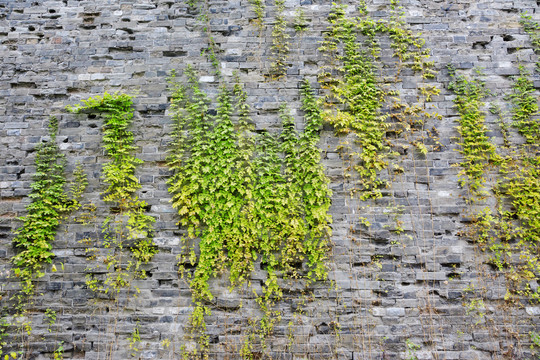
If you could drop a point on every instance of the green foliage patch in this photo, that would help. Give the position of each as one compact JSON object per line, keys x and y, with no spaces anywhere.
{"x":525,"y":108}
{"x":244,"y":198}
{"x":532,"y":28}
{"x":476,"y":147}
{"x":127,"y":224}
{"x":357,"y":88}
{"x":280,"y":43}
{"x":511,"y":232}
{"x":50,"y":203}
{"x":356,"y":96}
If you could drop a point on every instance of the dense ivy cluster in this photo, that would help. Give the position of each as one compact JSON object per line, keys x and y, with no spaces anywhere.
{"x":519,"y":225}
{"x":242,"y":199}
{"x":127,"y":224}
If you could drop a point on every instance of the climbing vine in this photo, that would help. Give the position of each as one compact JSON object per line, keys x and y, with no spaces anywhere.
{"x":477,"y":150}
{"x":50,"y":203}
{"x":259,"y":8}
{"x":525,"y":107}
{"x":532,"y":28}
{"x":356,"y":96}
{"x":280,"y":43}
{"x":408,"y":46}
{"x":212,"y":50}
{"x":510,"y":232}
{"x":243,"y":200}
{"x":357,"y":88}
{"x":127,"y":225}
{"x":518,"y":225}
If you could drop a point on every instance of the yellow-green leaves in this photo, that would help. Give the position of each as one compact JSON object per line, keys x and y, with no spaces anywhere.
{"x":476,"y":146}
{"x":44,"y":213}
{"x":525,"y":108}
{"x":245,"y":197}
{"x":280,"y":43}
{"x":128,"y":223}
{"x":355,"y":96}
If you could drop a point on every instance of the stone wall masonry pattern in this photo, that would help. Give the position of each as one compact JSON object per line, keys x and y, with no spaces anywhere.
{"x":389,"y":289}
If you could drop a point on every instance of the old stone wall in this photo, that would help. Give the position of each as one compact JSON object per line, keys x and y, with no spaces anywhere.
{"x":424,"y":292}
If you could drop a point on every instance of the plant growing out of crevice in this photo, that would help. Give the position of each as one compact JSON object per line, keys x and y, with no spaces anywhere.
{"x":241,"y":201}
{"x":127,"y":224}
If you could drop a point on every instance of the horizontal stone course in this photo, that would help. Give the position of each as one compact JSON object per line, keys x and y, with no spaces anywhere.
{"x":386,"y":285}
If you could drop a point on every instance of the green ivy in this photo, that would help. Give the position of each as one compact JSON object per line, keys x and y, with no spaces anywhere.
{"x":356,"y":96}
{"x":408,"y":47}
{"x":259,"y":7}
{"x":245,"y":197}
{"x":280,"y":43}
{"x":510,"y":233}
{"x":49,"y":205}
{"x":128,"y":224}
{"x":476,"y":147}
{"x":314,"y":184}
{"x":356,"y":88}
{"x":525,"y":107}
{"x":300,"y":22}
{"x":532,"y":28}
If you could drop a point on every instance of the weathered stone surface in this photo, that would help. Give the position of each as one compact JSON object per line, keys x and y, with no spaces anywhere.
{"x":392,"y":287}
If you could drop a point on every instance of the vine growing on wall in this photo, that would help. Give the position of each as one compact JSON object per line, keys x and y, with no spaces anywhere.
{"x":356,"y":95}
{"x":50,"y":203}
{"x":53,"y":198}
{"x":259,"y":7}
{"x":525,"y":108}
{"x":212,"y":50}
{"x":280,"y":43}
{"x":358,"y":90}
{"x":476,"y":147}
{"x":518,"y":226}
{"x":242,"y":200}
{"x":408,"y":46}
{"x":532,"y":28}
{"x":510,"y":233}
{"x":127,"y":225}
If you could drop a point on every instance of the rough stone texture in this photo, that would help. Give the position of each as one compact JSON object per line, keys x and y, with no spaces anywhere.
{"x":389,"y":288}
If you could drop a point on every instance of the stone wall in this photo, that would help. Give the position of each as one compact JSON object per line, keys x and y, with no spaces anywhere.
{"x":389,"y":292}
